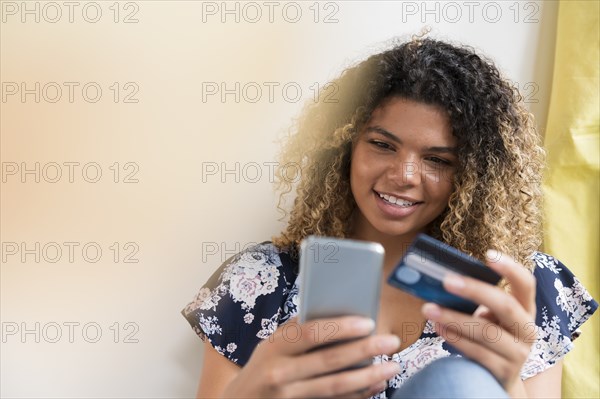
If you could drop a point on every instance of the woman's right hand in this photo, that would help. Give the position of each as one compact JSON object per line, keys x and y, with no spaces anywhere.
{"x":281,"y":367}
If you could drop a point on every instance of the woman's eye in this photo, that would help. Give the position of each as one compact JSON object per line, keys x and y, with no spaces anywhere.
{"x":439,"y":161}
{"x":381,"y":144}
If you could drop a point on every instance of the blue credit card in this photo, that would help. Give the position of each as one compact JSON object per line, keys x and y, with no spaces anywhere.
{"x":425,"y":264}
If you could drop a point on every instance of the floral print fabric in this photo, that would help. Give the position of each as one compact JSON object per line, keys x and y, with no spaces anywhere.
{"x":255,"y":291}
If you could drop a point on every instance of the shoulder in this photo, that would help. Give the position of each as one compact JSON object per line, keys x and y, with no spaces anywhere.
{"x":558,"y":288}
{"x":560,"y":294}
{"x":563,"y":305}
{"x":257,"y":271}
{"x":548,"y":263}
{"x":245,"y":300}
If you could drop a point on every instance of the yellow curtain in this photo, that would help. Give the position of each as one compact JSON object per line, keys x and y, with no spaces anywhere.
{"x":572,"y":182}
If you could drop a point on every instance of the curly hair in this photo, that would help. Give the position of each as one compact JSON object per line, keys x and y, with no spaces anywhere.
{"x":496,"y":201}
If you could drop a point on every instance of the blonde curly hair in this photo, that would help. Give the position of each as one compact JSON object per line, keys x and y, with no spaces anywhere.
{"x":496,"y":202}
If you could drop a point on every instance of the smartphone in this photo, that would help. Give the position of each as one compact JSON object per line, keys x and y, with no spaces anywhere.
{"x":339,"y":277}
{"x":427,"y":261}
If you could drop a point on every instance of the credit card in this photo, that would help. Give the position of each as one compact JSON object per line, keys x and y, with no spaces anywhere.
{"x":427,"y":261}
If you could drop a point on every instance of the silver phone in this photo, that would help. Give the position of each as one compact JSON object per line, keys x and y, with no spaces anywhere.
{"x":339,"y":277}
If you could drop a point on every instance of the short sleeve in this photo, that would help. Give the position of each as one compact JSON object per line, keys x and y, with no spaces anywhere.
{"x":244,"y":301}
{"x":563,"y":305}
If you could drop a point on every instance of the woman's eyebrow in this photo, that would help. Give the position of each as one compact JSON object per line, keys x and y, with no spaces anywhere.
{"x":393,"y":137}
{"x":383,"y":132}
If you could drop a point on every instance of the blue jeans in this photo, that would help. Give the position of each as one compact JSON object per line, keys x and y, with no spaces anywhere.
{"x":451,"y":377}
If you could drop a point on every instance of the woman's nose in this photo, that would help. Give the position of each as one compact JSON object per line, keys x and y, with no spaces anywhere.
{"x":405,"y":172}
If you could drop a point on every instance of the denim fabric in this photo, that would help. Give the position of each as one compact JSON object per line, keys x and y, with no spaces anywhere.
{"x":451,"y":377}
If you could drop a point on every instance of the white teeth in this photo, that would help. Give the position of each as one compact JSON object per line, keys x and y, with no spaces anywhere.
{"x":396,"y":201}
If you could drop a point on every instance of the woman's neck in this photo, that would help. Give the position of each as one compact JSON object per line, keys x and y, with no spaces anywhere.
{"x":395,"y":246}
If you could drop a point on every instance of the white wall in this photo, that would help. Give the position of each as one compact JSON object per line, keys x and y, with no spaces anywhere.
{"x":171,"y":217}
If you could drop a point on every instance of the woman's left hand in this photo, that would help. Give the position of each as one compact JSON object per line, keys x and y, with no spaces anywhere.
{"x":500,"y":333}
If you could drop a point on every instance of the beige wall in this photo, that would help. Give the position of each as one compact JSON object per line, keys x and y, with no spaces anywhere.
{"x":156,"y":147}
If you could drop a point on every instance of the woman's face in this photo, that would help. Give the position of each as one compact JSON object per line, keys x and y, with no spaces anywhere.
{"x":402,"y":169}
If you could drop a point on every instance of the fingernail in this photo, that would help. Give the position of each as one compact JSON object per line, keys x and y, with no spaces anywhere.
{"x":389,"y":343}
{"x":364,"y":325}
{"x":431,"y":311}
{"x":454,"y":281}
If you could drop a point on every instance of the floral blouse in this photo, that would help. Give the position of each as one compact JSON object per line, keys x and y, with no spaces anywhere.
{"x":255,"y":291}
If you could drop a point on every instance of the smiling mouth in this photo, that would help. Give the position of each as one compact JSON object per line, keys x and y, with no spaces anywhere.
{"x":399,"y":202}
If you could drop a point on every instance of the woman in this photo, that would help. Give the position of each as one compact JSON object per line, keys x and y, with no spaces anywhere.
{"x":424,"y":137}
